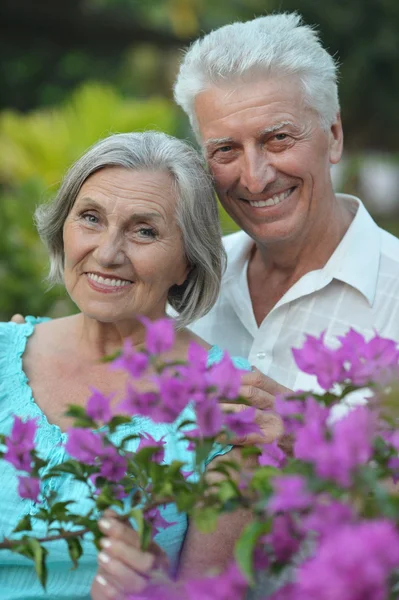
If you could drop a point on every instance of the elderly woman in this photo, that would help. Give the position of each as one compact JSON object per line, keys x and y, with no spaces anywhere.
{"x":133,"y":228}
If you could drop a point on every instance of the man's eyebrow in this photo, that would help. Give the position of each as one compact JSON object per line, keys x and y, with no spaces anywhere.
{"x":277,"y":126}
{"x":217,"y":141}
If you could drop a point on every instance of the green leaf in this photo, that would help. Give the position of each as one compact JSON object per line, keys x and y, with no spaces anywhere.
{"x":118,"y":420}
{"x":205,"y":519}
{"x":59,"y":510}
{"x":106,"y":499}
{"x":245,"y":545}
{"x":228,"y":490}
{"x":75,"y":550}
{"x":23,"y":524}
{"x":32,"y":549}
{"x":76,"y":412}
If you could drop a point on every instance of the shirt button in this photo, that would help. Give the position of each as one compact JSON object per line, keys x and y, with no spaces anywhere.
{"x":261,"y":355}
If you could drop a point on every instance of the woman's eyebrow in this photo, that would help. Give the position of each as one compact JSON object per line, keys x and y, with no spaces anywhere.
{"x":138,"y":216}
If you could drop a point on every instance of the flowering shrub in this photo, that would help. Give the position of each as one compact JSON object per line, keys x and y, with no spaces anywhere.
{"x":325,"y":519}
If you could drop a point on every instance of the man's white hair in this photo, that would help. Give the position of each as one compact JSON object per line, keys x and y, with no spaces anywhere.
{"x":274,"y":45}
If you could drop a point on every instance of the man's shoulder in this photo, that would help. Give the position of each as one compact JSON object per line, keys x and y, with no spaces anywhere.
{"x":389,"y":246}
{"x":235,"y":243}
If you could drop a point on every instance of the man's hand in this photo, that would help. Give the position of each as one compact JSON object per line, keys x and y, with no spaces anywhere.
{"x":260,"y":392}
{"x":123,"y":568}
{"x":17,"y":319}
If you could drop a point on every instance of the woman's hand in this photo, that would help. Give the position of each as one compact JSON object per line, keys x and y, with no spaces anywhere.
{"x":123,"y":568}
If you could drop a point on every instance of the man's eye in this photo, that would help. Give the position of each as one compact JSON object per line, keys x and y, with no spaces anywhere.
{"x":280,"y":136}
{"x":147,"y":232}
{"x":224,"y":149}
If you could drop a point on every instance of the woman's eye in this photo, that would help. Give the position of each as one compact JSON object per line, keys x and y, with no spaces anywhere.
{"x":90,"y":218}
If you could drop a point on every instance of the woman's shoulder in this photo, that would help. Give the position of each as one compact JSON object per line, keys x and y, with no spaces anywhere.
{"x":13,"y":339}
{"x":215,"y":355}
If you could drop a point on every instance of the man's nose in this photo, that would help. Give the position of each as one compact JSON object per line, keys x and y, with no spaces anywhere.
{"x":257,"y":171}
{"x":110,"y":250}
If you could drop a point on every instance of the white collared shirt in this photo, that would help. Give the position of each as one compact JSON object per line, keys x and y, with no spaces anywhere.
{"x":358,"y":287}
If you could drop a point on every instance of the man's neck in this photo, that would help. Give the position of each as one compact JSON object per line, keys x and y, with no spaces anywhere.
{"x":275,"y":268}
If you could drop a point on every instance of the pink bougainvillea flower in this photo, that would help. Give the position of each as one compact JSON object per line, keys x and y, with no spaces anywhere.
{"x":113,"y":466}
{"x":272,"y":456}
{"x":29,"y":488}
{"x":317,"y":359}
{"x":22,"y":461}
{"x":242,"y":423}
{"x":160,"y":335}
{"x":209,"y":418}
{"x":22,"y":434}
{"x":290,"y":493}
{"x":147,"y":440}
{"x":133,"y":362}
{"x":225,"y":377}
{"x":98,"y":406}
{"x":353,"y":562}
{"x":229,"y":585}
{"x":155,"y":518}
{"x":84,"y":445}
{"x":139,"y":403}
{"x":285,"y":537}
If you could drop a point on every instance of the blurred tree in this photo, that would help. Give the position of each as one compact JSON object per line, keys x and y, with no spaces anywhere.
{"x":36,"y":149}
{"x":48,"y":47}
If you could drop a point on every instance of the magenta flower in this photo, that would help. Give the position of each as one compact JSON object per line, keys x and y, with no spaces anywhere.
{"x":84,"y":445}
{"x":148,"y":441}
{"x":98,"y":406}
{"x":22,"y":461}
{"x":197,"y":356}
{"x":225,"y":377}
{"x":285,"y":537}
{"x":160,"y":335}
{"x":327,"y":515}
{"x":209,"y":418}
{"x":317,"y":359}
{"x":290,"y":493}
{"x":20,"y":444}
{"x":139,"y":403}
{"x":272,"y":456}
{"x":174,"y":398}
{"x":352,"y":563}
{"x":242,"y":423}
{"x":29,"y":488}
{"x":155,"y":518}
{"x":133,"y":362}
{"x":229,"y":585}
{"x":113,"y":466}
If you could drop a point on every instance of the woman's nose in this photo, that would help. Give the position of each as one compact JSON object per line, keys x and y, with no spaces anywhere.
{"x":109,"y":250}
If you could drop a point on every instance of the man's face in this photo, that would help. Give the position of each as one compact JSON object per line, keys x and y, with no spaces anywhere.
{"x":269,"y":156}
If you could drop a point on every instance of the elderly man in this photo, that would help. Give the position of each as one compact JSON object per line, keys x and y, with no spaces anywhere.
{"x":262,"y":99}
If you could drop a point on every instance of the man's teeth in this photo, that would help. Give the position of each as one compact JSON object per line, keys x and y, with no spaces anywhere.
{"x":273,"y":200}
{"x":108,"y":281}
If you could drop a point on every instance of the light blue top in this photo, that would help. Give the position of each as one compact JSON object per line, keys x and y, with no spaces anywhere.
{"x":18,"y":580}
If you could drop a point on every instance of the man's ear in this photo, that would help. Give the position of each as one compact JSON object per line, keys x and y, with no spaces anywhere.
{"x":336,"y":140}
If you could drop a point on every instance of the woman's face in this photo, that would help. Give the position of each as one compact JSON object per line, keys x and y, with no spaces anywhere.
{"x":123,"y":248}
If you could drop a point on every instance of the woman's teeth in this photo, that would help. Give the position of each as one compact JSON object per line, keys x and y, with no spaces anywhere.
{"x":273,"y":200}
{"x":108,"y":281}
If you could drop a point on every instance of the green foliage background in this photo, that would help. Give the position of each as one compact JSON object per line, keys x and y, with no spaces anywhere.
{"x":76,"y":70}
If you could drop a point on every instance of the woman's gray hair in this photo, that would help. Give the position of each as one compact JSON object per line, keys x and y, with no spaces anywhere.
{"x":274,"y":45}
{"x":196,"y":212}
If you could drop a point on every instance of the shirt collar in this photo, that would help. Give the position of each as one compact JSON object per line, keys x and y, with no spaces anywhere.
{"x":355,"y":261}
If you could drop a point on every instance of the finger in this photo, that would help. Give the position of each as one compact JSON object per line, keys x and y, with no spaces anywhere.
{"x":257,"y":397}
{"x":17,"y":319}
{"x":101,"y":589}
{"x":117,"y":530}
{"x":119,"y":576}
{"x":262,"y":381}
{"x":270,"y":426}
{"x":131,"y":557}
